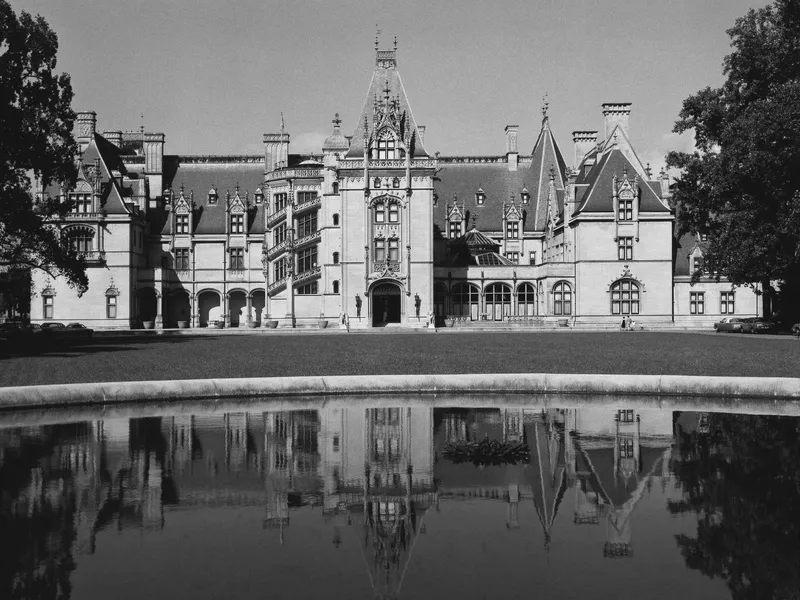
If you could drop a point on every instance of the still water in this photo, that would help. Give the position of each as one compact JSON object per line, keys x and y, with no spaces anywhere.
{"x":396,"y":499}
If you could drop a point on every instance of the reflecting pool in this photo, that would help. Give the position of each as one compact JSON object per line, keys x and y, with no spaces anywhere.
{"x":399,"y":499}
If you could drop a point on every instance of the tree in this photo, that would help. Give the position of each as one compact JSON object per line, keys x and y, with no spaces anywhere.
{"x":741,"y":187}
{"x":36,"y":142}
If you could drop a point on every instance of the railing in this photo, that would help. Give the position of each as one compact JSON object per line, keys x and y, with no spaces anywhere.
{"x":316,"y":202}
{"x":274,"y":288}
{"x":308,"y":239}
{"x":276,"y":216}
{"x":416,"y":163}
{"x":390,"y":266}
{"x":276,"y":250}
{"x":84,"y":216}
{"x":294,"y":174}
{"x":309,"y":275}
{"x":237,"y":274}
{"x":93,"y":256}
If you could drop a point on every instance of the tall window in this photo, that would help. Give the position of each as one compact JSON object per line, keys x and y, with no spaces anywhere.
{"x":562,"y":299}
{"x":625,"y":297}
{"x":237,"y":223}
{"x":697,"y":263}
{"x":111,"y":307}
{"x":279,"y":269}
{"x":526,"y":300}
{"x":626,"y":209}
{"x":281,"y":201}
{"x":181,"y":223}
{"x":380,"y":250}
{"x":182,"y":259}
{"x":465,"y":301}
{"x":309,"y":288}
{"x":335,"y":286}
{"x":48,"y":306}
{"x":625,"y":248}
{"x":307,"y":259}
{"x":82,"y":203}
{"x":307,"y":224}
{"x":280,"y":233}
{"x":455,"y":229}
{"x":336,"y":219}
{"x":336,"y":258}
{"x":697,"y":303}
{"x":394,"y":213}
{"x":532,"y":257}
{"x":81,"y":240}
{"x":498,"y":301}
{"x":394,"y":250}
{"x":237,"y":259}
{"x":380,"y":213}
{"x":625,"y":415}
{"x":726,"y":303}
{"x":303,"y":197}
{"x":512,"y":230}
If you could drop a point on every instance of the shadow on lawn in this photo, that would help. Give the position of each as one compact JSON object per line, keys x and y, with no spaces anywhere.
{"x":94,"y":346}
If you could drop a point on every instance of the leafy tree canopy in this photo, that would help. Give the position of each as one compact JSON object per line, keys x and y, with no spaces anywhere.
{"x":36,"y":122}
{"x":741,"y":186}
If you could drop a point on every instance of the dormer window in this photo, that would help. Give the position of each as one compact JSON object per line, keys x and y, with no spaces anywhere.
{"x":182,"y":223}
{"x":212,"y":196}
{"x":480,"y":197}
{"x":81,"y":203}
{"x":259,"y":195}
{"x":455,"y":229}
{"x":525,"y":195}
{"x":703,"y":237}
{"x":626,"y":207}
{"x":237,"y":223}
{"x":512,"y":230}
{"x":387,"y":146}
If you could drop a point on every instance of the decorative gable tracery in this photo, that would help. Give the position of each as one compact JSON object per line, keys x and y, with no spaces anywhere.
{"x":455,"y":219}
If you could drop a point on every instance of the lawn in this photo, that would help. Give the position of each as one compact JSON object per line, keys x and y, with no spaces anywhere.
{"x":199,"y":357}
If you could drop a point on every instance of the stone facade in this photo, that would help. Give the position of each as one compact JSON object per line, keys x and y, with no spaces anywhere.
{"x":375,"y":230}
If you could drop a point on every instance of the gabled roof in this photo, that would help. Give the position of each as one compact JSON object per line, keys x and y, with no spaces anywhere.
{"x":199,"y":177}
{"x":385,"y":77}
{"x":107,"y":157}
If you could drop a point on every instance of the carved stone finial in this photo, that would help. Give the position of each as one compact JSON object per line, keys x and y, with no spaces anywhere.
{"x":545,"y":106}
{"x":395,"y":43}
{"x":387,"y":91}
{"x":181,"y":189}
{"x":552,"y":173}
{"x":625,"y":171}
{"x":336,"y":120}
{"x":648,"y":170}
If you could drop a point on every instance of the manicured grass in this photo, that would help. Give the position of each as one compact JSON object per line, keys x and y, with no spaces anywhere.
{"x":190,"y":357}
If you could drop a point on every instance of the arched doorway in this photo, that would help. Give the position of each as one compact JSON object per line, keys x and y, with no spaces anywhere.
{"x":178,"y":308}
{"x":498,"y":301}
{"x":237,"y":307}
{"x":148,"y":304}
{"x":440,"y":300}
{"x":386,"y":305}
{"x":208,"y":305}
{"x":465,"y":301}
{"x":258,"y":302}
{"x":526,"y":300}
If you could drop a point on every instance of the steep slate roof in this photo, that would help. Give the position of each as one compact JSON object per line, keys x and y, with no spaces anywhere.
{"x":546,"y":157}
{"x":385,"y":72}
{"x":108,"y":154}
{"x":597,"y":192}
{"x":197,"y":176}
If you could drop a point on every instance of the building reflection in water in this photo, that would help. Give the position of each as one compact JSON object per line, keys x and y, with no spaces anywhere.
{"x":374,"y":473}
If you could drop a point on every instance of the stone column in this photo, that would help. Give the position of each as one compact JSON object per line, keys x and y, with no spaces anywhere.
{"x":249,"y":309}
{"x":159,"y":322}
{"x":193,"y":311}
{"x":225,"y":310}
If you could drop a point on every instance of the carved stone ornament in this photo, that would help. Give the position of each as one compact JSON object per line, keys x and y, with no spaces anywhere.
{"x":48,"y":291}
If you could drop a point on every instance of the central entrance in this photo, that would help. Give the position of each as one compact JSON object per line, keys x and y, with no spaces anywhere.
{"x":385,"y":304}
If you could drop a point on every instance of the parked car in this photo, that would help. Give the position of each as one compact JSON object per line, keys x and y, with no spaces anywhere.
{"x":758,"y":325}
{"x":79,"y":330}
{"x":61,"y":334}
{"x":729,"y":325}
{"x":51,"y":325}
{"x":16,"y":336}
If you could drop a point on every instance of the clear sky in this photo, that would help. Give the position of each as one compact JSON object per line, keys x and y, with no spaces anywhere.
{"x":213,"y":76}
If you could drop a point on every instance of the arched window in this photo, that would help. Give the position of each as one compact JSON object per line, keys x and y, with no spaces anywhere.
{"x":336,"y":258}
{"x":48,"y":303}
{"x":562,"y":299}
{"x":498,"y":301}
{"x":526,"y":300}
{"x":625,"y":297}
{"x":335,"y":286}
{"x":465,"y":301}
{"x":336,"y":219}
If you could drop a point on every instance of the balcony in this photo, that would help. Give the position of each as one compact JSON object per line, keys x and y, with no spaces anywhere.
{"x":276,"y":287}
{"x":417,"y":163}
{"x":85,"y":216}
{"x":307,"y":206}
{"x":276,"y":217}
{"x":298,"y":173}
{"x":237,"y":274}
{"x":307,"y":240}
{"x":276,"y":250}
{"x":306,"y":276}
{"x":94,"y":257}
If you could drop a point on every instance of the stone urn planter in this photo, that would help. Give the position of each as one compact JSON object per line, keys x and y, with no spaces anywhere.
{"x":563,"y":322}
{"x":219,"y":324}
{"x":272,"y":324}
{"x":448,"y":322}
{"x":252,"y":324}
{"x":183,"y":324}
{"x":322,"y":323}
{"x":148,"y":324}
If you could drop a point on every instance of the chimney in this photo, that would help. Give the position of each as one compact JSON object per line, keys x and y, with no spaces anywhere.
{"x":511,"y":146}
{"x":663,"y":179}
{"x":115,"y":137}
{"x":276,"y":151}
{"x":153,"y":160}
{"x":421,"y":131}
{"x":87,"y":123}
{"x":584,"y":141}
{"x":616,"y":114}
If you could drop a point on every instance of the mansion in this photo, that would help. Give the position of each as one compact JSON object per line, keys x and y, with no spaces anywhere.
{"x":381,"y":230}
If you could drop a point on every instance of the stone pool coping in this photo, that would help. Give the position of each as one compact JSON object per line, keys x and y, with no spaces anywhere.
{"x":77,"y":394}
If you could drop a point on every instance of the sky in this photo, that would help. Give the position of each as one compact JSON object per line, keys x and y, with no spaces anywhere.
{"x":213,"y":76}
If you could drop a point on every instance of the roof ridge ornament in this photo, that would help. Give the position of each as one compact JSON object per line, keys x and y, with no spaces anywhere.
{"x":545,"y":106}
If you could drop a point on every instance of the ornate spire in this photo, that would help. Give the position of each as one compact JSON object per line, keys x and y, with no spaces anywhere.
{"x":545,"y":106}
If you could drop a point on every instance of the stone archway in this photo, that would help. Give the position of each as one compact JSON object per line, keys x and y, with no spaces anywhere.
{"x":208,"y":306}
{"x":237,"y":308}
{"x":258,"y":303}
{"x":178,"y":308}
{"x":386,"y":304}
{"x":148,"y":304}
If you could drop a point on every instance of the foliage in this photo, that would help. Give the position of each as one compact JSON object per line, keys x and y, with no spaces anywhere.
{"x":741,"y":186}
{"x":743,"y":482}
{"x":36,"y":122}
{"x":486,"y":452}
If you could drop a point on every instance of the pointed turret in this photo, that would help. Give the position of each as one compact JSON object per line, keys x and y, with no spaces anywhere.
{"x":547,"y":168}
{"x":386,"y":125}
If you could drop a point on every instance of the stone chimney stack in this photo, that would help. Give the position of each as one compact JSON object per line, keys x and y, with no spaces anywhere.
{"x":115,"y":137}
{"x":511,"y":146}
{"x":153,"y":161}
{"x":584,"y":141}
{"x":87,"y":124}
{"x":616,"y":114}
{"x":421,"y":131}
{"x":276,"y":151}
